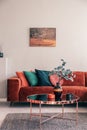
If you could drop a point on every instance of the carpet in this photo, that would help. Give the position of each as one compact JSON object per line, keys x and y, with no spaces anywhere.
{"x":21,"y":121}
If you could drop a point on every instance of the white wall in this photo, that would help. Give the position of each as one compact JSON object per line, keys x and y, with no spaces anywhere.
{"x":68,"y":16}
{"x":3,"y":73}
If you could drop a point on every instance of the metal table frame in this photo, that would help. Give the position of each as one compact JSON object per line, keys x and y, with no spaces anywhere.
{"x":59,"y":115}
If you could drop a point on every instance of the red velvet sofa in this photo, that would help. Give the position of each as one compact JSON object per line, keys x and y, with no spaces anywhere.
{"x":16,"y":92}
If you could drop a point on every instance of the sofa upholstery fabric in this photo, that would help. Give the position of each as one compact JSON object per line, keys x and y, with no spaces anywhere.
{"x":21,"y":75}
{"x":79,"y":80}
{"x":17,"y":92}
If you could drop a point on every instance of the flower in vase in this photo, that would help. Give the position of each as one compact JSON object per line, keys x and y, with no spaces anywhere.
{"x":60,"y":73}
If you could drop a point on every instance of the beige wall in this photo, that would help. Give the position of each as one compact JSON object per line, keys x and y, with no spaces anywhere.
{"x":68,"y":16}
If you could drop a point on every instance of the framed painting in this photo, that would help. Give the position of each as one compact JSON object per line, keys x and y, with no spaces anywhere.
{"x":43,"y":37}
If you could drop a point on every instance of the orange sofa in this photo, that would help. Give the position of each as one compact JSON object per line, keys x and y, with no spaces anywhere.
{"x":16,"y":92}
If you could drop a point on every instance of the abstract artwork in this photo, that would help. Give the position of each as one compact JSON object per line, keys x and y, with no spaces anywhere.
{"x":43,"y":37}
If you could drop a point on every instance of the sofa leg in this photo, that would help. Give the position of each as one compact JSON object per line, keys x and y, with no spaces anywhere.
{"x":11,"y":103}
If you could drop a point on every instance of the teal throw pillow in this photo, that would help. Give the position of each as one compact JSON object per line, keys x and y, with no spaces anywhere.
{"x":43,"y":77}
{"x":33,"y":97}
{"x":42,"y":97}
{"x":31,"y":78}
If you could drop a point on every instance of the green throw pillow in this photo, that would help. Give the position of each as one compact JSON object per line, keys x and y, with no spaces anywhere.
{"x":31,"y":77}
{"x":43,"y":77}
{"x":34,"y":97}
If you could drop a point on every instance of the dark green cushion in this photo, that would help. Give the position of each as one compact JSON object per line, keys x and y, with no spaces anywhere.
{"x":43,"y":77}
{"x":34,"y":97}
{"x":31,"y":78}
{"x":42,"y":97}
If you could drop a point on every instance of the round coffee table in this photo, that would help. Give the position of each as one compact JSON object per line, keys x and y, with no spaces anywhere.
{"x":44,"y":99}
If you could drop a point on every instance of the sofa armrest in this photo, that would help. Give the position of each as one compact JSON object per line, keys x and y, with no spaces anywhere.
{"x":13,"y":87}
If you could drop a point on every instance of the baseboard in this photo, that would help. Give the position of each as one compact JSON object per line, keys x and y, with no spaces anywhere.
{"x":3,"y":99}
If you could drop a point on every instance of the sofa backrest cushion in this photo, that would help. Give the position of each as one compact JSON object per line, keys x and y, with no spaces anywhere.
{"x":86,"y":79}
{"x":79,"y":80}
{"x":22,"y":77}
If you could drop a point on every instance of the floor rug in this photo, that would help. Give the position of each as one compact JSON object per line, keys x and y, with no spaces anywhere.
{"x":21,"y":121}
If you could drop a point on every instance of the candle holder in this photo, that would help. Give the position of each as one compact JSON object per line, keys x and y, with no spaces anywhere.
{"x":51,"y":97}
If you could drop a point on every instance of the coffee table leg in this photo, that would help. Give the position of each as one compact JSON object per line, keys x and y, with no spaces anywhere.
{"x":40,"y":115}
{"x":40,"y":112}
{"x":30,"y":110}
{"x":76,"y":112}
{"x":62,"y":110}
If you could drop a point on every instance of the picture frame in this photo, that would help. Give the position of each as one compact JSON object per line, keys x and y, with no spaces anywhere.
{"x":43,"y":37}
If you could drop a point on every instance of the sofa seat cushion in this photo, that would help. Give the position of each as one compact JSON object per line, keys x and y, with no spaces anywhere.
{"x":26,"y":91}
{"x":80,"y":91}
